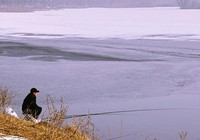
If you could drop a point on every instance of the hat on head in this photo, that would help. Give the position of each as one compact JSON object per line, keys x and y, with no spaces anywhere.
{"x":34,"y":90}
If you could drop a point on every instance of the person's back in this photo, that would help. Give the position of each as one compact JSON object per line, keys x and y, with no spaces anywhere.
{"x":30,"y":106}
{"x":28,"y":102}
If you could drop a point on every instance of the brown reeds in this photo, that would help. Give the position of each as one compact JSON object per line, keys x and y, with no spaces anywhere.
{"x":57,"y":118}
{"x":6,"y":98}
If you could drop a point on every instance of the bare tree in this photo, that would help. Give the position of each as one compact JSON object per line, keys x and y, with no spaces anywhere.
{"x":189,"y":4}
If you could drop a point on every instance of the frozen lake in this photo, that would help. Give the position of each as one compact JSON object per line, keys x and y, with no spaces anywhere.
{"x":137,"y":23}
{"x":103,"y":60}
{"x":109,"y":75}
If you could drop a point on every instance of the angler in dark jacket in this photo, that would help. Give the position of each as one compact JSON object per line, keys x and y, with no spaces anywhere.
{"x":30,"y":106}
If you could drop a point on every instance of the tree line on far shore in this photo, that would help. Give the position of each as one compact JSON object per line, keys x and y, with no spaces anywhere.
{"x":45,"y":4}
{"x":85,"y":3}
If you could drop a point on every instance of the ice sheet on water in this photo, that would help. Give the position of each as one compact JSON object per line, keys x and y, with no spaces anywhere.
{"x":85,"y":85}
{"x":170,"y":23}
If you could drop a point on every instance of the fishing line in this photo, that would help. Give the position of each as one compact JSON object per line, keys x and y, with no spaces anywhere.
{"x":123,"y":136}
{"x":120,"y":111}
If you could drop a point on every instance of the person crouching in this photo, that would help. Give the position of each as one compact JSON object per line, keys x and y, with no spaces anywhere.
{"x":29,"y":106}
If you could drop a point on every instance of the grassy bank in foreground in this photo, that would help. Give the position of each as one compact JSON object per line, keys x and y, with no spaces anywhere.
{"x":26,"y":129}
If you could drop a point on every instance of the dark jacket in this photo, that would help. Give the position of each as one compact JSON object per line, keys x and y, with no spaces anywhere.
{"x":30,"y":103}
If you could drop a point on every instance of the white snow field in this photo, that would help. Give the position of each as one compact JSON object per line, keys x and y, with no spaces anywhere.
{"x":103,"y":23}
{"x":103,"y":60}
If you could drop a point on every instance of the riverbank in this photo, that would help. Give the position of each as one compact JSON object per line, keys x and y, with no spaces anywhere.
{"x":17,"y":127}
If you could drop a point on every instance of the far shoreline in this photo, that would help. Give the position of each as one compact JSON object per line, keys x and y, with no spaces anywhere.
{"x":33,"y":9}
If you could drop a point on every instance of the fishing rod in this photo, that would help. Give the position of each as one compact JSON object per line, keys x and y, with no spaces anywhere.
{"x":120,"y":111}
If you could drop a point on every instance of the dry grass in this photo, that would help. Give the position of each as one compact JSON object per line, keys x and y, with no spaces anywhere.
{"x":57,"y":118}
{"x":18,"y":127}
{"x":6,"y":98}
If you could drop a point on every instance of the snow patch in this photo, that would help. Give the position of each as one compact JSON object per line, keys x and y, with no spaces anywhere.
{"x":5,"y":137}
